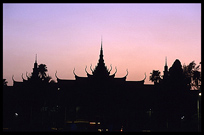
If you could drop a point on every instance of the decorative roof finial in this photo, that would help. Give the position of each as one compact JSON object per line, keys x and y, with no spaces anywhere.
{"x":56,"y":75}
{"x":101,"y":40}
{"x":12,"y":78}
{"x":166,"y":61}
{"x":127,"y":73}
{"x":91,"y":69}
{"x":22,"y":77}
{"x":101,"y":52}
{"x":35,"y":58}
{"x":145,"y":76}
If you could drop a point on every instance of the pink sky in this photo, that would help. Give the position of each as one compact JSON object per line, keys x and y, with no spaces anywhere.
{"x":136,"y":37}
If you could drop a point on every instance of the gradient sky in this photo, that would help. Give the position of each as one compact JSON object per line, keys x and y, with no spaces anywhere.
{"x":136,"y":37}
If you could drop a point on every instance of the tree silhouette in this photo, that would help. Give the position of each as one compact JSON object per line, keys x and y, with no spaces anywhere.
{"x":192,"y":75}
{"x":155,"y":76}
{"x":42,"y":71}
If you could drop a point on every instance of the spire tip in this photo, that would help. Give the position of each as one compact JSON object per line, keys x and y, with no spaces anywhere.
{"x":35,"y":58}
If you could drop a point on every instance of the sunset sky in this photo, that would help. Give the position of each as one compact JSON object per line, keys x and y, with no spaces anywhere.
{"x":136,"y":37}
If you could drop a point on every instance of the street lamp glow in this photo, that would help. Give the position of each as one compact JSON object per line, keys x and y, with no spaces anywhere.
{"x":200,"y":94}
{"x":16,"y":114}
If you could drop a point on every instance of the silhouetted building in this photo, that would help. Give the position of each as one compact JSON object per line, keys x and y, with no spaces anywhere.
{"x":98,"y":102}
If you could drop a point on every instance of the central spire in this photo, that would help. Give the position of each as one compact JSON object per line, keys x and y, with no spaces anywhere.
{"x":35,"y":58}
{"x":165,"y":76}
{"x":101,"y":60}
{"x":35,"y":68}
{"x":101,"y":69}
{"x":101,"y":51}
{"x":165,"y":67}
{"x":166,"y":61}
{"x":35,"y":64}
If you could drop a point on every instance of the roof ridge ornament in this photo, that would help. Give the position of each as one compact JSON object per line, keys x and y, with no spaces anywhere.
{"x":76,"y":76}
{"x":110,"y":69}
{"x":85,"y":69}
{"x":127,"y":73}
{"x":91,"y":69}
{"x":115,"y":72}
{"x":145,"y":76}
{"x":22,"y":77}
{"x":27,"y":75}
{"x":13,"y":78}
{"x":74,"y":72}
{"x":87,"y":72}
{"x":56,"y":74}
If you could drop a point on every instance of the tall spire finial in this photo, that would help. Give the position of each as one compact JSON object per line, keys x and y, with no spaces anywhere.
{"x":35,"y":58}
{"x":101,"y":42}
{"x":166,"y":61}
{"x":101,"y":52}
{"x":165,"y":69}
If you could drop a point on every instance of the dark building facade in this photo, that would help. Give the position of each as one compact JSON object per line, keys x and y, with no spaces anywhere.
{"x":98,"y":102}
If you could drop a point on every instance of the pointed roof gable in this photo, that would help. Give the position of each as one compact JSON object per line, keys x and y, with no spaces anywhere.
{"x":101,"y":70}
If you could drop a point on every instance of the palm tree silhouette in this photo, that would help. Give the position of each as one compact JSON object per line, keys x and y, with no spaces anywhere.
{"x":42,"y":71}
{"x":192,"y":75}
{"x":155,"y":76}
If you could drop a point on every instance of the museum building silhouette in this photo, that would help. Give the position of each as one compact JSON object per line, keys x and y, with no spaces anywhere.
{"x":98,"y":101}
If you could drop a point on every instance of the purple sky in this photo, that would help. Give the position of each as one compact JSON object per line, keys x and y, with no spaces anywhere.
{"x":136,"y":37}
